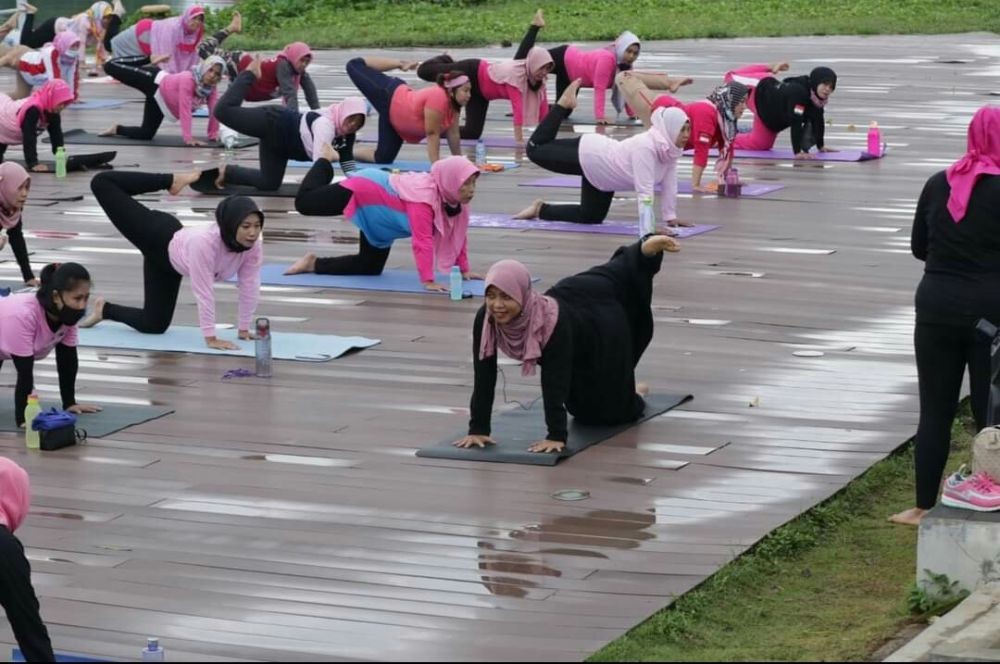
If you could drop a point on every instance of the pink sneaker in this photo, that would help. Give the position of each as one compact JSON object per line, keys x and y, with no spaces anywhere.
{"x":974,"y":492}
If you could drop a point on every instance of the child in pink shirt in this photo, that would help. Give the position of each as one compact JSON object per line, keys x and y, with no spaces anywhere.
{"x":33,"y":324}
{"x":174,"y":96}
{"x":207,"y":254}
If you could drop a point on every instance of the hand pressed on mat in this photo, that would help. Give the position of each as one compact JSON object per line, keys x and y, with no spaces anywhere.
{"x":546,"y":446}
{"x":474,"y":440}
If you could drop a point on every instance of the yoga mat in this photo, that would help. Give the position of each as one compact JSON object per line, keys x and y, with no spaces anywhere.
{"x":114,"y":417}
{"x":206,"y":185}
{"x":17,"y":656}
{"x":97,"y":104}
{"x":392,"y":280}
{"x":404,"y":165}
{"x":609,"y":227}
{"x":516,"y":430}
{"x":84,"y":137}
{"x":573,"y":182}
{"x":782,"y":154}
{"x":79,"y":162}
{"x":490,"y":141}
{"x":299,"y":346}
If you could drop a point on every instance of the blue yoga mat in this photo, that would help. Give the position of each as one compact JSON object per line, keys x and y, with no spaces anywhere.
{"x":402,"y":165}
{"x":299,"y":346}
{"x":17,"y":656}
{"x":396,"y":281}
{"x":97,"y":104}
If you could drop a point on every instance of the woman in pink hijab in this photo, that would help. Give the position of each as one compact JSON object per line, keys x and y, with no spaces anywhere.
{"x":588,"y":333}
{"x":15,"y":183}
{"x":177,"y":37}
{"x":16,"y":592}
{"x":431,"y":208}
{"x":522,"y":80}
{"x":956,"y":233}
{"x":21,"y":121}
{"x":281,"y":76}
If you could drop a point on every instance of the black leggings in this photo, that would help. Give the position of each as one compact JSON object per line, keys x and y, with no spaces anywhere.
{"x":562,"y":76}
{"x":33,"y":37}
{"x":943,"y":352}
{"x":318,"y":197}
{"x":562,"y":155}
{"x":378,"y":89}
{"x":114,"y":27}
{"x":475,"y":110}
{"x":150,"y":231}
{"x":259,"y":121}
{"x":136,"y":72}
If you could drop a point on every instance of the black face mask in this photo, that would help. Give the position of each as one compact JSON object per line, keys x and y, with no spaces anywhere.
{"x":70,"y":316}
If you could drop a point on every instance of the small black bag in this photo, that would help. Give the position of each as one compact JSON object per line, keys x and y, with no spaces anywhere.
{"x":57,"y":429}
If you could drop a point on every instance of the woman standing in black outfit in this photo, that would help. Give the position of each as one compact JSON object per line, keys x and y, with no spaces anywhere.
{"x":587,"y":332}
{"x":956,"y":232}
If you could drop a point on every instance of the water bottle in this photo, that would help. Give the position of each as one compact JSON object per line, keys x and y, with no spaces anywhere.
{"x":60,"y":162}
{"x":31,"y":440}
{"x":732,"y":186}
{"x":874,"y":140}
{"x":153,"y":652}
{"x":480,"y":153}
{"x":229,"y":138}
{"x":262,"y":348}
{"x":456,"y":282}
{"x":647,"y":219}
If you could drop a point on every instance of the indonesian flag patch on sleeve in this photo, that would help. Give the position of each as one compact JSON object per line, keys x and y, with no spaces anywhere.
{"x":800,"y":109}
{"x":704,"y":138}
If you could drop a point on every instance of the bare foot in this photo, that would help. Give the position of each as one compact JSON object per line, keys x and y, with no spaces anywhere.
{"x":95,"y":316}
{"x":779,"y":67}
{"x":674,"y":84}
{"x":254,"y":66}
{"x":531,"y":212}
{"x":305,"y":264}
{"x":538,"y":19}
{"x":642,"y":389}
{"x":119,"y":8}
{"x":681,"y":222}
{"x":11,"y":22}
{"x":182,"y":180}
{"x":158,"y":60}
{"x":568,"y":98}
{"x":656,"y":244}
{"x":235,"y":24}
{"x":910,"y":517}
{"x":31,"y":9}
{"x":110,"y":131}
{"x":220,"y":182}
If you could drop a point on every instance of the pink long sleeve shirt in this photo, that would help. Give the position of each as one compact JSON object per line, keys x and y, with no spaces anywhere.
{"x":176,"y":98}
{"x":612,"y":165}
{"x":25,"y":331}
{"x":199,"y":253}
{"x":595,"y":69}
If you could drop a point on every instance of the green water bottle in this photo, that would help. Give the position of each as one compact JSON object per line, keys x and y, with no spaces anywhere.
{"x":60,"y":162}
{"x":31,"y":440}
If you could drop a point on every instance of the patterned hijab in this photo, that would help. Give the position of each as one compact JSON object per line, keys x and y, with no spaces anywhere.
{"x":726,"y":98}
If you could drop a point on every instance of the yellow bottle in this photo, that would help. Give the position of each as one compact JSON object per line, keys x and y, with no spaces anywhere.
{"x":33,"y":408}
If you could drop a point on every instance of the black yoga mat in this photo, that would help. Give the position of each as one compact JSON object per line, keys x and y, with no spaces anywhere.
{"x":84,"y":137}
{"x":516,"y":430}
{"x":80,"y":162}
{"x":206,"y":185}
{"x":114,"y":417}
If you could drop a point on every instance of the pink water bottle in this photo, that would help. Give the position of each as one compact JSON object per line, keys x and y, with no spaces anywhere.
{"x":874,"y":140}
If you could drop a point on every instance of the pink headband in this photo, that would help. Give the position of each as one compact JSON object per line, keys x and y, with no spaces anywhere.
{"x":456,"y":82}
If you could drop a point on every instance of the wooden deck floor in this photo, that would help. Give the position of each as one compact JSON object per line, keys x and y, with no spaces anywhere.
{"x":289,"y":518}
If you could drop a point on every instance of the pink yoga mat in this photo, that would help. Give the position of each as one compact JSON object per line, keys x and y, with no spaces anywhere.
{"x":782,"y":154}
{"x":573,"y":182}
{"x":609,"y":227}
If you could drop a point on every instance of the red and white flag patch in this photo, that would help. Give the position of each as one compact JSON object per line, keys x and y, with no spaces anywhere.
{"x":800,"y":109}
{"x":704,"y":138}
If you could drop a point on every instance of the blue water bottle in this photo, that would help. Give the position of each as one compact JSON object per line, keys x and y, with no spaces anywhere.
{"x":456,"y":282}
{"x":153,"y":652}
{"x":480,"y":153}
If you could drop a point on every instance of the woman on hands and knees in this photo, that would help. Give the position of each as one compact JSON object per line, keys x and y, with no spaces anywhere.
{"x":206,"y":254}
{"x":432,"y":208}
{"x":588,"y":333}
{"x":33,"y":324}
{"x":15,"y":183}
{"x":21,"y":121}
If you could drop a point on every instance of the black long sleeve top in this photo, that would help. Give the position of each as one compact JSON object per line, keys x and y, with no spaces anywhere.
{"x":29,"y":134}
{"x":788,"y":105}
{"x":15,"y":236}
{"x":20,"y":602}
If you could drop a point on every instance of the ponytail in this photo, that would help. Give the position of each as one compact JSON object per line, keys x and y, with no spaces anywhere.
{"x":59,"y":277}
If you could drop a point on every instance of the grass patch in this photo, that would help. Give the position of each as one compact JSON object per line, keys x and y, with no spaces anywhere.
{"x":270,"y":24}
{"x":834,"y":584}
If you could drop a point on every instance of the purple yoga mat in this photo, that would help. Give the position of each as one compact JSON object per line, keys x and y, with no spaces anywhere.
{"x":573,"y":182}
{"x":609,"y":227}
{"x":491,"y":141}
{"x":782,"y":154}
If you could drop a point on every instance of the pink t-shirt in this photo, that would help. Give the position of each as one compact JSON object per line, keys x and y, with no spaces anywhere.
{"x":177,"y":100}
{"x":491,"y":90}
{"x":705,"y":130}
{"x":24,"y":331}
{"x":595,"y":69}
{"x":406,"y":111}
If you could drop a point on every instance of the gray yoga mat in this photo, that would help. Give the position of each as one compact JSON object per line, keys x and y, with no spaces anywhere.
{"x":114,"y":417}
{"x":206,"y":185}
{"x":84,"y":137}
{"x":79,"y":162}
{"x":607,"y":227}
{"x":516,"y":430}
{"x":750,"y":189}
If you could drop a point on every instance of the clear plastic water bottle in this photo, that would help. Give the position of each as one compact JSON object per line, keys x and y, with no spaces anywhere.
{"x":455,"y":282}
{"x":228,"y":137}
{"x":874,"y":140}
{"x":31,"y":439}
{"x":153,"y":652}
{"x":732,"y":186}
{"x":60,"y":162}
{"x":262,"y":347}
{"x":647,"y":218}
{"x":480,"y":153}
